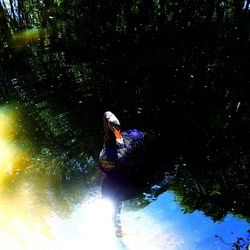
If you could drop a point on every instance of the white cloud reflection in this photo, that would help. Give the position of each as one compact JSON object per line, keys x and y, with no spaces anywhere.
{"x":90,"y":227}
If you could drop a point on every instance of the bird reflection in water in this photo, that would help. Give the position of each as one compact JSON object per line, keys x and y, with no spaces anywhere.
{"x":118,"y":189}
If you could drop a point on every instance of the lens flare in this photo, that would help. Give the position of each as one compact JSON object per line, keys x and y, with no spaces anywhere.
{"x":30,"y":35}
{"x":12,"y":157}
{"x":22,"y":226}
{"x":99,"y":223}
{"x":91,"y":226}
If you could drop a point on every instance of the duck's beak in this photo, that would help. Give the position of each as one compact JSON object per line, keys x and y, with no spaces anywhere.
{"x":117,"y":133}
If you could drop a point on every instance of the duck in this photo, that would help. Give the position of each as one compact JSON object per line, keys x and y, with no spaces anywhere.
{"x":123,"y":153}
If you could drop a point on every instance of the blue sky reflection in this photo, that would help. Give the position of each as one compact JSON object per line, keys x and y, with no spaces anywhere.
{"x":159,"y":226}
{"x":162,"y":225}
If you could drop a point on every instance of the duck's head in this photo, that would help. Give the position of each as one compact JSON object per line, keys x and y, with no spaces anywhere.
{"x":112,"y":123}
{"x":112,"y":129}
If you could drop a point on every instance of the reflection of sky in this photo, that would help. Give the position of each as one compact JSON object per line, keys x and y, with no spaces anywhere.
{"x":159,"y":226}
{"x":164,"y":226}
{"x":89,"y":227}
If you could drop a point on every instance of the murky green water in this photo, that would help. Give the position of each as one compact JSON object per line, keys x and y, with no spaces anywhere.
{"x":52,"y":198}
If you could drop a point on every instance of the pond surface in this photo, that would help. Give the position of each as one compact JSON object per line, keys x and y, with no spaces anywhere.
{"x":57,"y":198}
{"x":180,"y":69}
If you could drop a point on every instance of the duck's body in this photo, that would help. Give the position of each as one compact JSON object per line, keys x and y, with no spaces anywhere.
{"x":122,"y":153}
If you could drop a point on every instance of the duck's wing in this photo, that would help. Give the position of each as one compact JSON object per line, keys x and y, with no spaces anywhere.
{"x":131,"y":152}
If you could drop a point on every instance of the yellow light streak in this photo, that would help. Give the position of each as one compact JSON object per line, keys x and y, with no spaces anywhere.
{"x":12,"y":157}
{"x":30,"y":35}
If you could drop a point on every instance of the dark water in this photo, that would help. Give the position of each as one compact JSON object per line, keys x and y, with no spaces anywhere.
{"x":188,"y":81}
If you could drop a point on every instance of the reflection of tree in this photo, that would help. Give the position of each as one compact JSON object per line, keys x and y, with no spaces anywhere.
{"x":215,"y":191}
{"x":45,"y":156}
{"x":84,"y":22}
{"x":55,"y":150}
